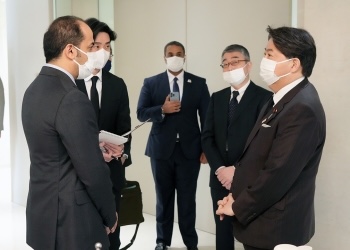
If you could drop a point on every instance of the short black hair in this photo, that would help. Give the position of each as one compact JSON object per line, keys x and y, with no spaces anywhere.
{"x":62,"y":31}
{"x":97,"y":26}
{"x":176,"y":43}
{"x":237,"y":48}
{"x":295,"y":43}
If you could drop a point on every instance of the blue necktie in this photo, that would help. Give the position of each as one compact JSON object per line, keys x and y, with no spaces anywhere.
{"x":176,"y":86}
{"x":232,"y":106}
{"x":94,"y":96}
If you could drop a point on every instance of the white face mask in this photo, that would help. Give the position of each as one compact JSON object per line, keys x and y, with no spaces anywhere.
{"x":86,"y":69}
{"x":235,"y":76}
{"x":175,"y":63}
{"x":267,"y":70}
{"x":101,"y":58}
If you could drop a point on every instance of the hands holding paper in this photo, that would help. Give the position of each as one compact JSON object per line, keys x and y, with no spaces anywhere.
{"x":225,"y":207}
{"x":111,"y":151}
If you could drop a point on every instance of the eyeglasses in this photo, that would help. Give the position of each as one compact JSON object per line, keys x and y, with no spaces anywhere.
{"x":232,"y":63}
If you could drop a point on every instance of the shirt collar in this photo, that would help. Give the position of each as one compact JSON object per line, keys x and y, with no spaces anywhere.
{"x":179,"y":76}
{"x":242,"y":89}
{"x":60,"y":69}
{"x":99,"y":75}
{"x":283,"y":91}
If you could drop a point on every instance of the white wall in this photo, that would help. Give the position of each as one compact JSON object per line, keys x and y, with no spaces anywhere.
{"x":5,"y":134}
{"x":26,"y":26}
{"x":205,"y":28}
{"x":328,"y":21}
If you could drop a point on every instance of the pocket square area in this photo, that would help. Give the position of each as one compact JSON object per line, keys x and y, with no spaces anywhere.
{"x":265,"y":125}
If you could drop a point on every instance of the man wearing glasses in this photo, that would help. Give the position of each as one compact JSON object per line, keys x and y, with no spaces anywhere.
{"x":232,"y":113}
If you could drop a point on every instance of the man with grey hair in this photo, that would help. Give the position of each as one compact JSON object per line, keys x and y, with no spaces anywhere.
{"x":273,"y":189}
{"x":231,"y":116}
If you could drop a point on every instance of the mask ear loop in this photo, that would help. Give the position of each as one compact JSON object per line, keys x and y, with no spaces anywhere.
{"x":283,"y":62}
{"x":80,"y":50}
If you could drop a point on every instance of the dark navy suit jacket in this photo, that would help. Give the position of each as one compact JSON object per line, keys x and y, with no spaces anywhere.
{"x":162,"y":137}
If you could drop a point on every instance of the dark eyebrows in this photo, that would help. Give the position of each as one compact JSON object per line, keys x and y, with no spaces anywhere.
{"x":233,"y":57}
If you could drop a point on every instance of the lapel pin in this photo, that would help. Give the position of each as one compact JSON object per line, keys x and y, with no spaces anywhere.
{"x":189,"y":80}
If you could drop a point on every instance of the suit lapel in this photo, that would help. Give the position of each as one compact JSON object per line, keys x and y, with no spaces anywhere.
{"x":265,"y":119}
{"x":163,"y":86}
{"x":81,"y":85}
{"x":104,"y":92}
{"x":224,"y":102}
{"x":186,"y":86}
{"x":245,"y":101}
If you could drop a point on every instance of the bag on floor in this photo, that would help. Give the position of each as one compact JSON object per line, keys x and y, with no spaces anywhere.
{"x":130,"y":212}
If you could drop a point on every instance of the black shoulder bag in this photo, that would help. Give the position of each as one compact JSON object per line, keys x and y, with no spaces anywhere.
{"x":130,"y":212}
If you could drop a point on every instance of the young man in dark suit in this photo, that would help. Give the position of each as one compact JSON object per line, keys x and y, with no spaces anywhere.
{"x":273,"y":187}
{"x":174,"y":143}
{"x":112,"y":108}
{"x":70,"y":200}
{"x":231,"y":116}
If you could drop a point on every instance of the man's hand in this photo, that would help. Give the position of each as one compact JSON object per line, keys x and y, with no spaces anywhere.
{"x":111,"y":151}
{"x":112,"y":230}
{"x":225,"y":206}
{"x":122,"y":160}
{"x":203,"y":159}
{"x":171,"y":106}
{"x":225,"y":176}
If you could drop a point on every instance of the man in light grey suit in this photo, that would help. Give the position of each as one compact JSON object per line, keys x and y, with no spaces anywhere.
{"x":273,"y":187}
{"x":70,"y":201}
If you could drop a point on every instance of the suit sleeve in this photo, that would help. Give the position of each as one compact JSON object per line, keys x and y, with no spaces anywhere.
{"x":124,"y":121}
{"x":295,"y":142}
{"x":145,"y":108}
{"x":78,"y":130}
{"x":208,"y":139}
{"x":203,"y":107}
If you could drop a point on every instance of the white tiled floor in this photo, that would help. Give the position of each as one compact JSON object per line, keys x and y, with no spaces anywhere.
{"x":13,"y":230}
{"x":12,"y":226}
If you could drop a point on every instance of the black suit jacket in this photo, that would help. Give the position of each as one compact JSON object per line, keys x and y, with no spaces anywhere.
{"x":274,"y":181}
{"x":70,"y":195}
{"x":216,"y":135}
{"x":162,"y":137}
{"x":114,"y":111}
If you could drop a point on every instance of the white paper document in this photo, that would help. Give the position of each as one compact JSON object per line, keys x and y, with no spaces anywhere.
{"x":111,"y":138}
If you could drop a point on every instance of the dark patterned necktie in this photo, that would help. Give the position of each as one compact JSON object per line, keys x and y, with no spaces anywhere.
{"x":94,"y":96}
{"x":232,"y":106}
{"x":176,"y":86}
